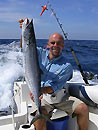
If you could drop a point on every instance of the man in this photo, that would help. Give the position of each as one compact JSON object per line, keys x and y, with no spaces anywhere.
{"x":56,"y":72}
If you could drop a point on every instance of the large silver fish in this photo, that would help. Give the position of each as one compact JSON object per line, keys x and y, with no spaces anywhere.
{"x":31,"y":65}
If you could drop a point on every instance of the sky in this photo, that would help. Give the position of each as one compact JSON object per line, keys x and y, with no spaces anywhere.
{"x":79,"y":18}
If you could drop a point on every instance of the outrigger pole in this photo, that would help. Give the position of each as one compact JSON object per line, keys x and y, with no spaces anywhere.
{"x":65,"y":35}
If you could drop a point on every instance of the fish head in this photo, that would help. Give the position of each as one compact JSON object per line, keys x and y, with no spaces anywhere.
{"x":25,"y":24}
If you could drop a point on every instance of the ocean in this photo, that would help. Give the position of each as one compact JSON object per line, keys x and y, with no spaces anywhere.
{"x":11,"y":68}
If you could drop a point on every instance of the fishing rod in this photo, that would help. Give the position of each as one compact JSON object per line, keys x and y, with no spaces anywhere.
{"x":65,"y":35}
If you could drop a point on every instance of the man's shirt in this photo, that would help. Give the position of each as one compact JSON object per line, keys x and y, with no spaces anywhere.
{"x":56,"y":72}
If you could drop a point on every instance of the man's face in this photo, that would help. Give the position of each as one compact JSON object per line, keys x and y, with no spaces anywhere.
{"x":55,"y":44}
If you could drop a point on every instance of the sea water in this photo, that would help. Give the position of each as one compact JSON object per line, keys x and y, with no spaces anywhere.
{"x":11,"y":63}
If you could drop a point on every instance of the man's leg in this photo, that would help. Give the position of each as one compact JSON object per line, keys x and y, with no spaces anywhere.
{"x":40,"y":124}
{"x":45,"y":109}
{"x":82,"y":116}
{"x":75,"y":105}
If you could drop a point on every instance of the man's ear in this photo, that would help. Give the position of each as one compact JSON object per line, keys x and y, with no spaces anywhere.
{"x":63,"y":45}
{"x":48,"y":45}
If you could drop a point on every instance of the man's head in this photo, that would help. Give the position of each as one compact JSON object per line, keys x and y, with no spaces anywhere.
{"x":55,"y":45}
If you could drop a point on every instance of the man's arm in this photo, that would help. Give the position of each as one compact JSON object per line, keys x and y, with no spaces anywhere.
{"x":47,"y":89}
{"x":44,"y":90}
{"x":57,"y":83}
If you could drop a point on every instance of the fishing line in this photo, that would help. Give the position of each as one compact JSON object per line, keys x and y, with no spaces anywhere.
{"x":65,"y":35}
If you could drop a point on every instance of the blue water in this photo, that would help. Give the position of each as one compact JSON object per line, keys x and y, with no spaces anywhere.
{"x":85,"y":50}
{"x":11,"y":62}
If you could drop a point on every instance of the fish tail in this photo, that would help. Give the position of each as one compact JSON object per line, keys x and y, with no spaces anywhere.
{"x":46,"y":117}
{"x":39,"y":116}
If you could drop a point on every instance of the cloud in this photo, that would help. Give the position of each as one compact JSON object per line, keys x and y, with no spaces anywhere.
{"x":12,"y":17}
{"x":80,"y":10}
{"x":9,"y":11}
{"x":9,"y":2}
{"x":13,"y":10}
{"x":94,"y":10}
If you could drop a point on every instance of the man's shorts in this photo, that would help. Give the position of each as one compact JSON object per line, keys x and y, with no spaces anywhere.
{"x":68,"y":105}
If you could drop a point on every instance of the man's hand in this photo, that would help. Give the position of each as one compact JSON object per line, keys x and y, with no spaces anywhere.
{"x":44,"y":90}
{"x":22,"y":20}
{"x":32,"y":97}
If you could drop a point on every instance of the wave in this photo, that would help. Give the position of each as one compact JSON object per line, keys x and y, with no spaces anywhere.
{"x":11,"y":68}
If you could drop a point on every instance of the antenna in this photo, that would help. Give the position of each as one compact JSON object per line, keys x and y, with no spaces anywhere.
{"x":65,"y":35}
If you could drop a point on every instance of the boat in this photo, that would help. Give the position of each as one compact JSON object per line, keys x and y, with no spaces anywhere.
{"x":24,"y":110}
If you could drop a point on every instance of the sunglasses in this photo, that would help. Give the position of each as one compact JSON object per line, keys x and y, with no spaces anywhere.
{"x":58,"y":43}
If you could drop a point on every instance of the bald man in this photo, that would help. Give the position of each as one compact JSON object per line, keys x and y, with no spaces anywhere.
{"x":56,"y":72}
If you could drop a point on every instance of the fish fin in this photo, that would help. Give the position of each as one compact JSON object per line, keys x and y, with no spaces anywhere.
{"x":46,"y":117}
{"x":21,"y":42}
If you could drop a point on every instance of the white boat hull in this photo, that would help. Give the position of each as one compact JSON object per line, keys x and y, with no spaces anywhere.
{"x":23,"y":102}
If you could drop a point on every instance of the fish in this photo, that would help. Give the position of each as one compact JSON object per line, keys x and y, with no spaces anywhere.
{"x":44,"y":8}
{"x":31,"y":66}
